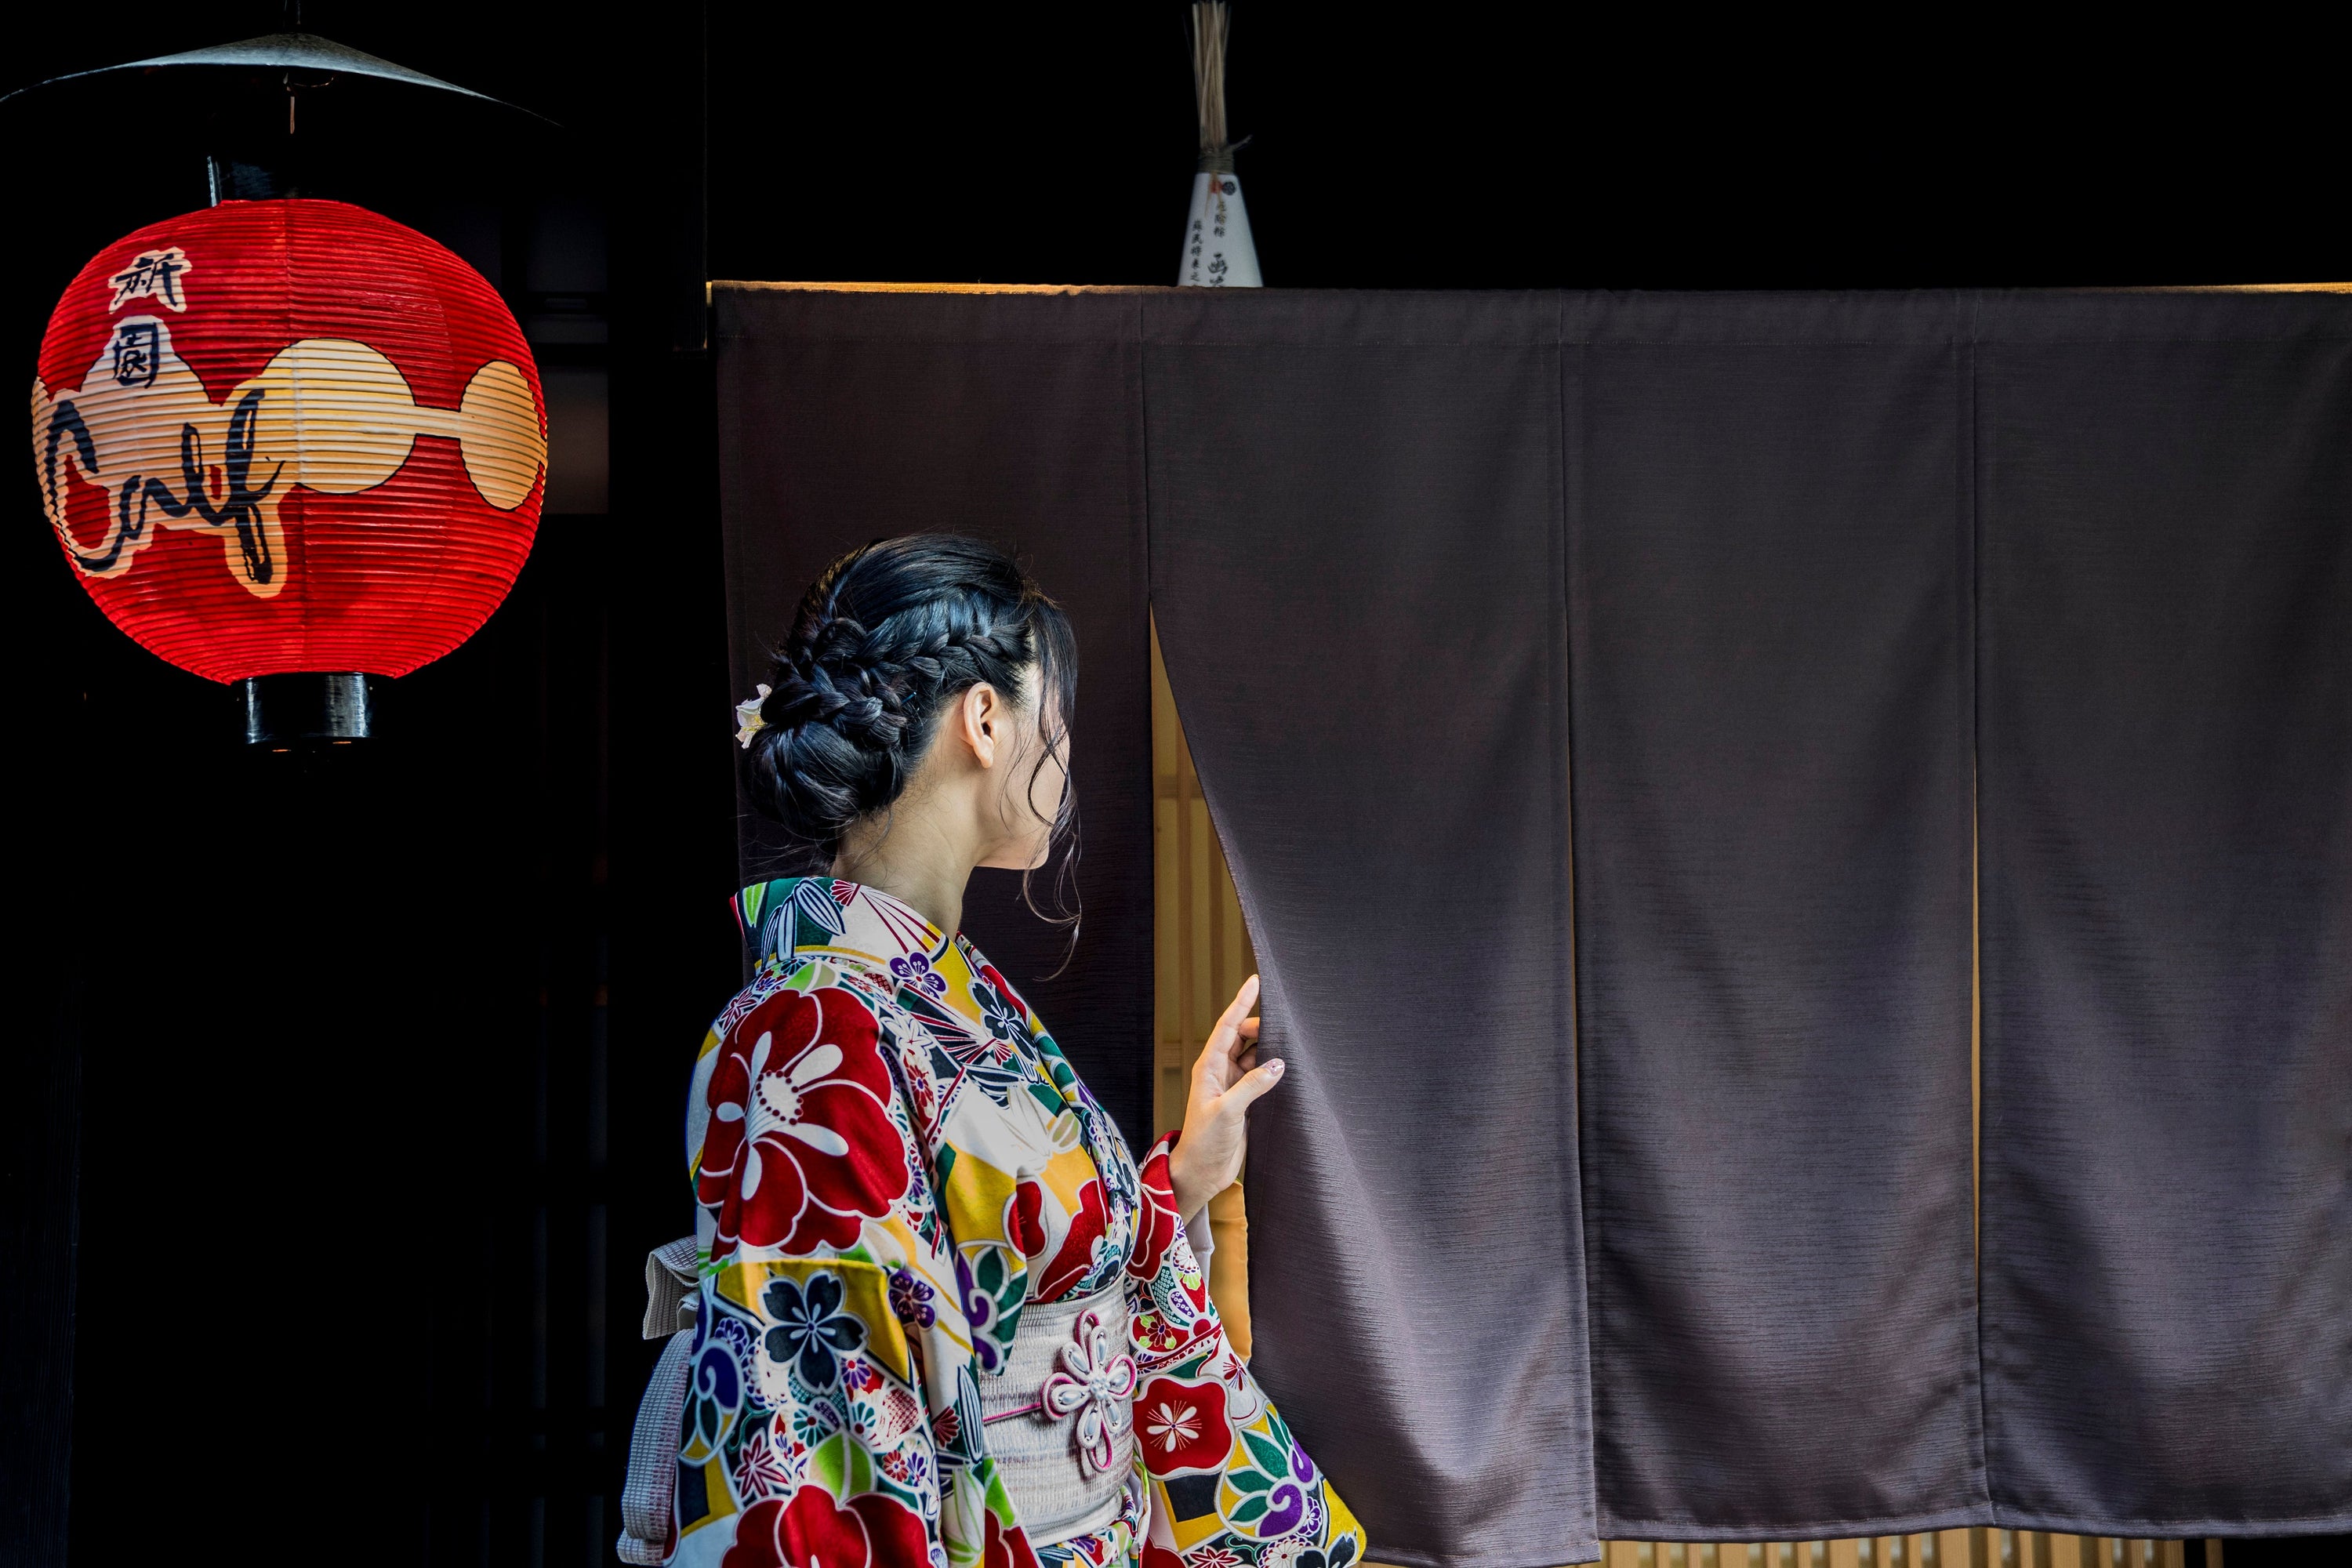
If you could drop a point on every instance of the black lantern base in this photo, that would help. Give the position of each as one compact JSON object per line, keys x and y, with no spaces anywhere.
{"x":282,"y":710}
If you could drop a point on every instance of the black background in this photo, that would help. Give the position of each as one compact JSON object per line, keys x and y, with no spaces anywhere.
{"x":365,"y":1067}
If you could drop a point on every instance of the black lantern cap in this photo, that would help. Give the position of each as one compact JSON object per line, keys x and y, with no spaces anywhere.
{"x":293,"y":113}
{"x":306,"y":53}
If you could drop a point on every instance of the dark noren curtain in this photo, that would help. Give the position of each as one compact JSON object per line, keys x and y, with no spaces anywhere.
{"x":2165,"y":762}
{"x":846,"y":418}
{"x":1769,"y":540}
{"x":1355,"y":519}
{"x":1842,"y":638}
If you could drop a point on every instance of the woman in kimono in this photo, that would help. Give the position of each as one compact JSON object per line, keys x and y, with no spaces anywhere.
{"x":941,"y":1317}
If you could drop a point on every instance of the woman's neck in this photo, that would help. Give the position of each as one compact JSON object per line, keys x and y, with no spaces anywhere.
{"x":912,"y":866}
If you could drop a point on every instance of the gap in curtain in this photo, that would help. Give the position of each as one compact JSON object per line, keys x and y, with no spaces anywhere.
{"x":1201,"y":955}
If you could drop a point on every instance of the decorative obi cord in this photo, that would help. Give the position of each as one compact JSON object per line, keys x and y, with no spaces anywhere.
{"x":1059,"y":1419}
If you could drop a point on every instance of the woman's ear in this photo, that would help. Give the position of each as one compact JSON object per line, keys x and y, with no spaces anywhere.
{"x":981,"y":714}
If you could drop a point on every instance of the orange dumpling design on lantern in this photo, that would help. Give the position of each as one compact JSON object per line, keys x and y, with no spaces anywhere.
{"x":346,"y":408}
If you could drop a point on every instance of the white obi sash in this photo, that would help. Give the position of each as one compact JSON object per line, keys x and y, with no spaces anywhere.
{"x":1060,"y":1418}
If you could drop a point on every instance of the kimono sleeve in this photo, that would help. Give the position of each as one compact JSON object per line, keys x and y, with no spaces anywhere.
{"x":1230,"y":1483}
{"x":830,"y":1389}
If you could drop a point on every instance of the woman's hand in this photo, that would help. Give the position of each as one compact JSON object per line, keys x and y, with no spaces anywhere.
{"x":1226,"y":1081}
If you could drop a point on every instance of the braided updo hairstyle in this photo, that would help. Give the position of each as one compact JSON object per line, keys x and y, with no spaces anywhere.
{"x":883,"y":639}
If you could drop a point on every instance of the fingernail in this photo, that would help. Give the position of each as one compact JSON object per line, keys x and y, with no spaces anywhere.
{"x":1276,"y":1066}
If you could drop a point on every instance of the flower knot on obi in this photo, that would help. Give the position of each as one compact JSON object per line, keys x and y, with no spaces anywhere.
{"x":1060,"y":1418}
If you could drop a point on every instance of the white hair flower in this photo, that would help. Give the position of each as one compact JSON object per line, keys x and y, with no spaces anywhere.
{"x":748,"y":719}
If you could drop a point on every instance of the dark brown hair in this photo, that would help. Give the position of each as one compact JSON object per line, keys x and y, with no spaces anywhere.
{"x":882,"y":641}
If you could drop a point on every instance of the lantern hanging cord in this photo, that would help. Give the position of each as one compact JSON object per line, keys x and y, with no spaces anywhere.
{"x":294,"y":86}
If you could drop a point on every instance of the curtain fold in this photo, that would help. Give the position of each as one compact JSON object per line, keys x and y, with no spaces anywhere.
{"x":2166,"y":766}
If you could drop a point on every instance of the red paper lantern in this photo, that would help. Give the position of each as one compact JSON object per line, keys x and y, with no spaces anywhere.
{"x":290,"y":436}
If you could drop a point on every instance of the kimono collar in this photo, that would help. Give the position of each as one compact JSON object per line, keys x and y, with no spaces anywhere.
{"x":793,"y":914}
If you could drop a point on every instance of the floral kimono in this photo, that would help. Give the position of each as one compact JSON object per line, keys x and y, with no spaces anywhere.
{"x":892,"y":1159}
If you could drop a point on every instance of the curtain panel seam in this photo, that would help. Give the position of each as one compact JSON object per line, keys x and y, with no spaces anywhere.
{"x":1564,"y":817}
{"x":1970,"y":516}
